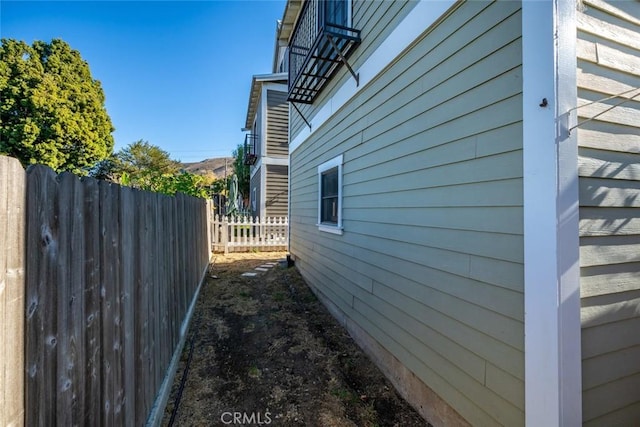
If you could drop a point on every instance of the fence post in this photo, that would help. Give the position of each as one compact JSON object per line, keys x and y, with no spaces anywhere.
{"x":243,"y":229}
{"x":216,"y":231}
{"x":225,"y":234}
{"x":209,"y":218}
{"x":285,"y":237}
{"x":12,"y":290}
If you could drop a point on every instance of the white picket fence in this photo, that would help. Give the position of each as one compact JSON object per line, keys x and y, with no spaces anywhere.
{"x":241,"y":234}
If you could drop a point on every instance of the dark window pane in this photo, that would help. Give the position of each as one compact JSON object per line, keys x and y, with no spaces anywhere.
{"x":329,"y":211}
{"x":330,"y":182}
{"x":329,"y":196}
{"x":336,"y":12}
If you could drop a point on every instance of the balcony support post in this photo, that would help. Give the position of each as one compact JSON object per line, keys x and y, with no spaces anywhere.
{"x":301,"y":115}
{"x":356,"y":76}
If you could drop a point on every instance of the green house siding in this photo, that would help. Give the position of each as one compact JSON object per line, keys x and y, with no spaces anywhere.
{"x":430,"y":263}
{"x":609,"y":167}
{"x":375,"y":19}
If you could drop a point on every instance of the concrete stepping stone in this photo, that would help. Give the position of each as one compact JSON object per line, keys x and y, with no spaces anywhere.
{"x":264,"y":267}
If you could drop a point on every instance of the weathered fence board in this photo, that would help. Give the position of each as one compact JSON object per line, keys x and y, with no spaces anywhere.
{"x":42,"y":296}
{"x":12,"y":206}
{"x":111,"y":273}
{"x":127,"y":247}
{"x":237,"y":234}
{"x":92,"y":300}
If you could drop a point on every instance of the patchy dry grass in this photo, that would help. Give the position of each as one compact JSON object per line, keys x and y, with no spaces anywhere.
{"x":266,"y":346}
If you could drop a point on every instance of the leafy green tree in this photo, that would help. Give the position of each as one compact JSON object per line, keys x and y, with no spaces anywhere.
{"x":106,"y":169}
{"x":52,"y":110}
{"x":148,"y":167}
{"x":242,"y":171}
{"x":141,"y":157}
{"x":220,"y":185}
{"x":184,"y":182}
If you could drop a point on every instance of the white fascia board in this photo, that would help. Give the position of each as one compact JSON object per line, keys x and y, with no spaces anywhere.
{"x":421,"y":17}
{"x":263,"y":122}
{"x":272,"y":77}
{"x":263,"y":192}
{"x":277,"y":86}
{"x":553,"y":390}
{"x":253,"y":102}
{"x":257,"y":81}
{"x":276,"y":161}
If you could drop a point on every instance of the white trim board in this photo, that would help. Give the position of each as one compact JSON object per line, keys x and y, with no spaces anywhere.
{"x":421,"y":17}
{"x":553,"y":389}
{"x":277,"y":161}
{"x":254,"y":169}
{"x":263,"y":191}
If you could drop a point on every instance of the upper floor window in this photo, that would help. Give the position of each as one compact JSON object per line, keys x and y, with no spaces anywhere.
{"x":320,"y":44}
{"x":337,"y":12}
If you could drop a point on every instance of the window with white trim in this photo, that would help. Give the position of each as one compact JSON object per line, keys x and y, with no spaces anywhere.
{"x":338,"y":12}
{"x":330,"y":196}
{"x":254,"y":198}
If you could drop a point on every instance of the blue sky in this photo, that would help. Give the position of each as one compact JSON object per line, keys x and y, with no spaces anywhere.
{"x":174,"y":73}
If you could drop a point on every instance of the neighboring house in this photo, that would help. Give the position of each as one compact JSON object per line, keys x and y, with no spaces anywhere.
{"x":465,"y":199}
{"x":266,"y":143}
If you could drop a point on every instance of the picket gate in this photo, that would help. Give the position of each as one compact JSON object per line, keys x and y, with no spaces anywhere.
{"x":244,"y":233}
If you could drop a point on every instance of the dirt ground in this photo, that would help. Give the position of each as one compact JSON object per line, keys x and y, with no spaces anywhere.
{"x":267,"y":352}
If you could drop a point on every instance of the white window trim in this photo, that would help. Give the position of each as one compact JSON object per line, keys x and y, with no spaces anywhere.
{"x":263,"y":191}
{"x":330,"y":164}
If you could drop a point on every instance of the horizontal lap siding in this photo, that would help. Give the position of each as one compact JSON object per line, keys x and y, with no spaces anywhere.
{"x":375,"y":20}
{"x":277,"y":124}
{"x":608,"y":51}
{"x":430,"y":262}
{"x":277,"y":194}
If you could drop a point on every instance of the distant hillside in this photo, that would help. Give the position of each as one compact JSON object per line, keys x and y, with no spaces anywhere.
{"x":215,"y":165}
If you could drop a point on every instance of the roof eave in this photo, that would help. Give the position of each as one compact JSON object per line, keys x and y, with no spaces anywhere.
{"x":256,"y":88}
{"x":289,"y":18}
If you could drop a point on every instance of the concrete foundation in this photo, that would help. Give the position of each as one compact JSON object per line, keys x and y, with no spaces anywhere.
{"x":428,"y":404}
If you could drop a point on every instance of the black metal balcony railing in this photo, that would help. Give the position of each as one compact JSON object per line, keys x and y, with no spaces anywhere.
{"x":250,"y":149}
{"x":317,"y":49}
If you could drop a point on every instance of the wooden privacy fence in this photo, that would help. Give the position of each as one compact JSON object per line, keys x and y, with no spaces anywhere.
{"x":111,"y":276}
{"x":238,"y":234}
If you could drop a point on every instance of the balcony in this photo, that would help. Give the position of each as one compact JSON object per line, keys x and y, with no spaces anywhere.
{"x":251,"y":149}
{"x":318,"y":47}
